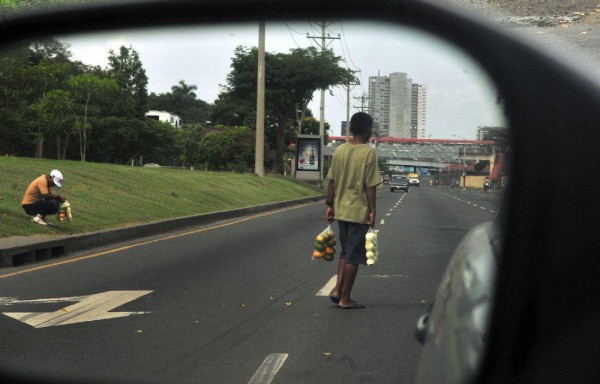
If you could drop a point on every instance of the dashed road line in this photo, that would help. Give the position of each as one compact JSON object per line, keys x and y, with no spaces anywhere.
{"x":269,"y":368}
{"x":468,"y":202}
{"x":327,"y":288}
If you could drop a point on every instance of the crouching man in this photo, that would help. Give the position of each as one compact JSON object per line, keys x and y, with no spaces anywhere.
{"x":38,"y":201}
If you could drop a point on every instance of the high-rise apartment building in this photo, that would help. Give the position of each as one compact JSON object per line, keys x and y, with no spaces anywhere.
{"x":397,"y":105}
{"x":379,"y":104}
{"x":418,"y":119}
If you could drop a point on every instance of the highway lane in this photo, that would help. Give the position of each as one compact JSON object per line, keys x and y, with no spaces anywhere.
{"x":238,"y":302}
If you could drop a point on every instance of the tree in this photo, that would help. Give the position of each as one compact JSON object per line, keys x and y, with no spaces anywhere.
{"x":28,"y":72}
{"x":181,"y":101}
{"x":55,"y":112}
{"x":127,"y":70}
{"x":189,"y":138}
{"x":229,"y":148}
{"x":83,"y":89}
{"x":311,"y":126}
{"x":291,"y":80}
{"x":50,"y":49}
{"x":228,"y":110}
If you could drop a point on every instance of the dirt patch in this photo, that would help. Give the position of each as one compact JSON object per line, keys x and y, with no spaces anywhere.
{"x":546,"y":7}
{"x":537,"y":13}
{"x":543,"y":13}
{"x":570,"y":28}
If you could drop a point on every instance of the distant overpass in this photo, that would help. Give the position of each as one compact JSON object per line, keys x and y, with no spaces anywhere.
{"x":425,"y":153}
{"x":450,"y":157}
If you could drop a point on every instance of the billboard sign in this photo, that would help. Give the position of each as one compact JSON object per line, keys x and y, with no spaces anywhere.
{"x":308,"y":156}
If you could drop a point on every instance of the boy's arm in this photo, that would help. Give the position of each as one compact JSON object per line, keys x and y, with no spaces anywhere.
{"x":329,"y":211}
{"x":371,"y":195}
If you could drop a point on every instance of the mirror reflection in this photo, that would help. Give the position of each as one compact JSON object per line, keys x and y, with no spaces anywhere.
{"x":150,"y":125}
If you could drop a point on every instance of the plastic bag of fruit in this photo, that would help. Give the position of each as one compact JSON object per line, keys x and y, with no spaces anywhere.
{"x":324,"y":247}
{"x":371,"y":246}
{"x":64,"y":212}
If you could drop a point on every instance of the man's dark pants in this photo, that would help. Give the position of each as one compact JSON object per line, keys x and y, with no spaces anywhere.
{"x":43,"y":207}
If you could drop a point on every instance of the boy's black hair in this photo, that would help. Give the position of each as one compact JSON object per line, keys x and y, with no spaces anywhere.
{"x":360,"y":123}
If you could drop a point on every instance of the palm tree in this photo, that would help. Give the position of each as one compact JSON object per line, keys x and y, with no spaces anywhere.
{"x":183,"y":90}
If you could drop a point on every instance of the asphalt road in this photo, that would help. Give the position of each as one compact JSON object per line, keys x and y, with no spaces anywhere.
{"x":240,"y":301}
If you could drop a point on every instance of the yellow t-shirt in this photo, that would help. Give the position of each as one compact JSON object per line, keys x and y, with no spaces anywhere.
{"x":354,"y":169}
{"x":36,"y":189}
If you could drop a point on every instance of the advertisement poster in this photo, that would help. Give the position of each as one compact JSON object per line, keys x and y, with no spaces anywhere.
{"x":307,"y":157}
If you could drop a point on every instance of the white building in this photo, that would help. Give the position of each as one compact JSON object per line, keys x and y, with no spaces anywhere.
{"x":379,"y":104}
{"x":418,"y":123}
{"x":165,"y":117}
{"x":398,"y":106}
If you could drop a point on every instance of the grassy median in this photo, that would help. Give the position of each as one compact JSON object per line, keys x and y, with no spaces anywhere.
{"x":106,"y":196}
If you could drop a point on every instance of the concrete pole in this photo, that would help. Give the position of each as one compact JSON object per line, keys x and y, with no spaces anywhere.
{"x":323,"y":39}
{"x":259,"y":157}
{"x":322,"y":115}
{"x":348,"y":112}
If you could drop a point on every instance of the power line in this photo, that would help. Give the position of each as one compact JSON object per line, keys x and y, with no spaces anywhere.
{"x":290,"y":30}
{"x":346,"y":44}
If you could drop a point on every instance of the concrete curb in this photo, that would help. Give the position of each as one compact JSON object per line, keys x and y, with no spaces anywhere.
{"x":21,"y":250}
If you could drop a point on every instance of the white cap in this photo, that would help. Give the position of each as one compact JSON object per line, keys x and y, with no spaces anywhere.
{"x":57,"y":177}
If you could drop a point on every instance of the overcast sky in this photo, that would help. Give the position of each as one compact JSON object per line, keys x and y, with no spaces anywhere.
{"x":460,"y":97}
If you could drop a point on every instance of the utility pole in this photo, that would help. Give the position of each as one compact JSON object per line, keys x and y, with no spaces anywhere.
{"x":323,"y":44}
{"x":348,"y":88}
{"x":363,"y":101}
{"x":259,"y":156}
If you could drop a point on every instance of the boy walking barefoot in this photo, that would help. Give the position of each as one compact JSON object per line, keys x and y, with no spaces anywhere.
{"x":353,"y":178}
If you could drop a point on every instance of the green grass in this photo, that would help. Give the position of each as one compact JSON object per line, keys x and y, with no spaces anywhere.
{"x":106,"y":196}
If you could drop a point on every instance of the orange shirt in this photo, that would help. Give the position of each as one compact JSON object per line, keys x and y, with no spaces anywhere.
{"x":36,"y":189}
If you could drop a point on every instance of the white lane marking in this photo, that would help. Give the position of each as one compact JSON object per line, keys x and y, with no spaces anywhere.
{"x":482,"y":208}
{"x":328,"y":287}
{"x":88,"y":308}
{"x":392,"y":209}
{"x":269,"y":368}
{"x":382,"y":222}
{"x":12,"y":300}
{"x":388,"y":214}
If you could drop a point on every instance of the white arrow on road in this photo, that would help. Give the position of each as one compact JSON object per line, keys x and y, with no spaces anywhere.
{"x":88,"y":308}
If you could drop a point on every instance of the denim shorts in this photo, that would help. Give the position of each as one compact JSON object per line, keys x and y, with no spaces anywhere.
{"x":352,"y":241}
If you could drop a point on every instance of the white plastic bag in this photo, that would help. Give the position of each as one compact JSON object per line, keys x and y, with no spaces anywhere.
{"x":371,"y":246}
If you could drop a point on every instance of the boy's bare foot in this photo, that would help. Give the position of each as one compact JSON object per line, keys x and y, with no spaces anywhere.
{"x":352,"y":305}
